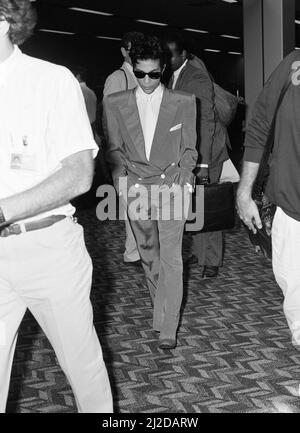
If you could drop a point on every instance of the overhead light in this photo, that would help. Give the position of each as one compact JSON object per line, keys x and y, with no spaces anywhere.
{"x":230,"y":37}
{"x":196,"y":30}
{"x":152,"y":22}
{"x":297,"y":48}
{"x":212,"y":50}
{"x":91,"y":11}
{"x":109,"y":37}
{"x":56,"y":31}
{"x":230,"y":1}
{"x":235,"y":52}
{"x":297,"y":21}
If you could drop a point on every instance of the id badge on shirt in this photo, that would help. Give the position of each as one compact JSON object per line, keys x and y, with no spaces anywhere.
{"x":23,"y":159}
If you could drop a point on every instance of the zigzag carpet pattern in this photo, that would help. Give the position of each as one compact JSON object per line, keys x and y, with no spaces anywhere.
{"x":234,"y":353}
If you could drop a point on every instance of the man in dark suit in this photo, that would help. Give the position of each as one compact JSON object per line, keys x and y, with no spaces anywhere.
{"x":207,"y":248}
{"x":124,"y":79}
{"x":152,"y":145}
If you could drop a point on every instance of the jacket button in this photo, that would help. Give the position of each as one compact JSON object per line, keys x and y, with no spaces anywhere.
{"x":137,"y":185}
{"x":173,"y":163}
{"x":162,"y":176}
{"x":140,"y":178}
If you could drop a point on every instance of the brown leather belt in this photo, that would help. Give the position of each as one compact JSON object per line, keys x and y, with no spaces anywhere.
{"x":17,"y":229}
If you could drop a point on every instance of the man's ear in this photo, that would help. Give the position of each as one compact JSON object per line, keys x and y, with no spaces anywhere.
{"x":4,"y":28}
{"x":184,"y":55}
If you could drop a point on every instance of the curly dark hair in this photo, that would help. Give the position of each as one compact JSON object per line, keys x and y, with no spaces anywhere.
{"x":148,"y":48}
{"x":22,"y":19}
{"x":130,"y":39}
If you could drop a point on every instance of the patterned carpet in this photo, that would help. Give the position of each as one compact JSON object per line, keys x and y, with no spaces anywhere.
{"x":234,"y":352}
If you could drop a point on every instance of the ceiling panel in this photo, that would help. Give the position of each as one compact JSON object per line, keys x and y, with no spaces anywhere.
{"x":215,"y":16}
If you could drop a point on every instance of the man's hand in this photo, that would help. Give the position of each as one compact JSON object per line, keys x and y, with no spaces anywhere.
{"x":189,"y":187}
{"x":248,"y":211}
{"x":202,"y":175}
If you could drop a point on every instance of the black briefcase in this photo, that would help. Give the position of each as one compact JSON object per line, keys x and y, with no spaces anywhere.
{"x":218,"y":203}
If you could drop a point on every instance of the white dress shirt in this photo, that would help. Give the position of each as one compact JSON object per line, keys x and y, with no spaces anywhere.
{"x":176,"y":74}
{"x":148,"y":107}
{"x":43,"y":120}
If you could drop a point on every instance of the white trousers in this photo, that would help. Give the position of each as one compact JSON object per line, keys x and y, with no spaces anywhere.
{"x":286,"y":267}
{"x":49,"y":272}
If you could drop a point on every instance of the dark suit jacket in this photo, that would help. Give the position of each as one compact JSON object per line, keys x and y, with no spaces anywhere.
{"x":173,"y":153}
{"x":211,"y":135}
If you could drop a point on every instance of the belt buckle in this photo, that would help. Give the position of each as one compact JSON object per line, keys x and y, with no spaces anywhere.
{"x":5,"y":232}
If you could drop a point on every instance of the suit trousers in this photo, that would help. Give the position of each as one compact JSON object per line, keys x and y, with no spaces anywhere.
{"x":208,"y":247}
{"x":131,"y":253}
{"x":159,"y":243}
{"x":286,"y":267}
{"x":49,"y":271}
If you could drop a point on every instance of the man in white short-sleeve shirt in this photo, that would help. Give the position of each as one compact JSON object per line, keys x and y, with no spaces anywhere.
{"x":46,"y":159}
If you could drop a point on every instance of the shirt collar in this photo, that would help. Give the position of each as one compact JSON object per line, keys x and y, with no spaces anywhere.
{"x":5,"y":65}
{"x":156,"y":93}
{"x":177,"y":72}
{"x":8,"y":64}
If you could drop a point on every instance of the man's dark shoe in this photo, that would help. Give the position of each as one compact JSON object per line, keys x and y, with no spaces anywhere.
{"x":210,"y":272}
{"x":167,"y":343}
{"x":137,"y":263}
{"x":191,"y":260}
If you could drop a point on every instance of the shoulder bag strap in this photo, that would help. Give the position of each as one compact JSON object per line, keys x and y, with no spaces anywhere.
{"x":126,"y":79}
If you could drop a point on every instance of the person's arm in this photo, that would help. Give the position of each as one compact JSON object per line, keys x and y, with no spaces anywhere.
{"x":72,"y":179}
{"x":189,"y":153}
{"x":201,"y":86}
{"x":114,"y":143}
{"x":246,"y":207}
{"x":255,"y":141}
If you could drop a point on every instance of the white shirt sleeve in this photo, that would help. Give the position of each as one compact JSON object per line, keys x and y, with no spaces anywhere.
{"x":69,"y":130}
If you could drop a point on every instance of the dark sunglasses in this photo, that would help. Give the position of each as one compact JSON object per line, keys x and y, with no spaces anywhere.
{"x":153,"y":75}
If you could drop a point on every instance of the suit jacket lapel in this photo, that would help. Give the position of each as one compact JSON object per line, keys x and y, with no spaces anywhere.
{"x":131,"y":116}
{"x":164,"y":123}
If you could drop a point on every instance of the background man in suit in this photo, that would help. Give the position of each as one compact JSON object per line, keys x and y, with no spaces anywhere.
{"x":89,"y":95}
{"x":124,"y":79}
{"x":152,"y":140}
{"x":207,"y":248}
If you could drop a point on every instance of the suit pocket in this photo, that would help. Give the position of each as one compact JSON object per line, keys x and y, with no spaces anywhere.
{"x":176,"y":127}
